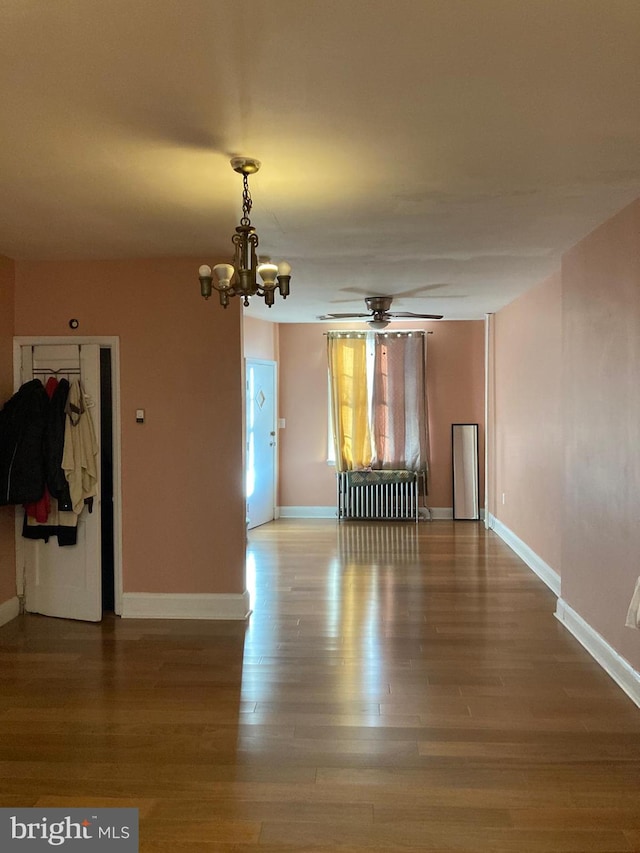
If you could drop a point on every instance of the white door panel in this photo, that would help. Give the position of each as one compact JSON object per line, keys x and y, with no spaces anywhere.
{"x":65,"y":581}
{"x":261,"y":441}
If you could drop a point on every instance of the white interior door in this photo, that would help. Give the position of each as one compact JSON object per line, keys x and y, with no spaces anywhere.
{"x":261,"y":441}
{"x":66,"y":581}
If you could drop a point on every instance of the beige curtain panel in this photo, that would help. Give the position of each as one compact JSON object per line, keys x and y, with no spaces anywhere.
{"x":399,"y":411}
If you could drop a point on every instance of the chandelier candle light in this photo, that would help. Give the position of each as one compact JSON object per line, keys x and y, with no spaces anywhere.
{"x":239,"y":278}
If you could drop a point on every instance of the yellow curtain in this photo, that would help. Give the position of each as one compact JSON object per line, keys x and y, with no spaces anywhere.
{"x":349,"y":402}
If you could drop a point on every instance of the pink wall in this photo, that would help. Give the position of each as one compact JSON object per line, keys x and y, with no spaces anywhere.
{"x":305,"y":477}
{"x":455,"y":379}
{"x":7,"y":530}
{"x":260,"y":339}
{"x":601,"y":413}
{"x":456,"y":395}
{"x":528,"y":436}
{"x":183,"y":504}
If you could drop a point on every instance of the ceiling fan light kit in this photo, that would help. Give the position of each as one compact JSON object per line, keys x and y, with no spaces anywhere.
{"x":379,"y":315}
{"x":239,"y":278}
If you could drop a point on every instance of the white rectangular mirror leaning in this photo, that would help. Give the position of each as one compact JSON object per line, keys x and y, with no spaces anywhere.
{"x":464,"y":451}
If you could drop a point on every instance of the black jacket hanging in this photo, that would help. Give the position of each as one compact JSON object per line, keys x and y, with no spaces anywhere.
{"x":23,"y":420}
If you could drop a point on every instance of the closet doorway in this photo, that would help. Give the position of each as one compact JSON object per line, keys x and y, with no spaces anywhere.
{"x":81,"y":581}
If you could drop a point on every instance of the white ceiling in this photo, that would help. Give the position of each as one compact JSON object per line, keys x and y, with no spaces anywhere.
{"x":458,"y":146}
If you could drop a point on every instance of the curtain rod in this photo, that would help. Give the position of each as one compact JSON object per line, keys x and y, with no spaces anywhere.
{"x":362,"y":334}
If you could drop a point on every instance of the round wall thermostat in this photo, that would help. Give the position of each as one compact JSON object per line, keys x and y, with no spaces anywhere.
{"x":73,"y":324}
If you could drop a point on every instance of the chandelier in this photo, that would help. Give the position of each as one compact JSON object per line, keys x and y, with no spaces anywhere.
{"x":239,"y":278}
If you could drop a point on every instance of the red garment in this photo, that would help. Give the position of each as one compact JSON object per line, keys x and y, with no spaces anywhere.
{"x":40,"y":509}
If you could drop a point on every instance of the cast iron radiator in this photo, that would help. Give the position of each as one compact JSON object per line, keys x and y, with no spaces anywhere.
{"x":389,"y":495}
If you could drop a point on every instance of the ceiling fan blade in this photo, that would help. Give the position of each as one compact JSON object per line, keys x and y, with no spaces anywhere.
{"x":342,"y":316}
{"x":411,"y":316}
{"x":420,"y":292}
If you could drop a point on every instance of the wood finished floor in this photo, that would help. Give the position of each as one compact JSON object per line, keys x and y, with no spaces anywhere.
{"x":397,"y":688}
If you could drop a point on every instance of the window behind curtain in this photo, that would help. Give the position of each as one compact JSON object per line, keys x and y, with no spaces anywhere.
{"x":350,"y":405}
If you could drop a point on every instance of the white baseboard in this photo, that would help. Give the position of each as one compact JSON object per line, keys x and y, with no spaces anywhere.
{"x":307,"y":512}
{"x":527,"y":555}
{"x":624,"y":675}
{"x":158,"y":605}
{"x":9,"y":610}
{"x":613,"y":664}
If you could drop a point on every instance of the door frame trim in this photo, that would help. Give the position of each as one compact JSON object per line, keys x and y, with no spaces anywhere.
{"x":111,"y":342}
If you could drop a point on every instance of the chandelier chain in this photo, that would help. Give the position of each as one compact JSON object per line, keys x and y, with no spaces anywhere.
{"x":247,"y":201}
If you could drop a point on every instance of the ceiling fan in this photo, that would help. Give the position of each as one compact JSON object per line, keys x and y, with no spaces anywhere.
{"x":379,"y":315}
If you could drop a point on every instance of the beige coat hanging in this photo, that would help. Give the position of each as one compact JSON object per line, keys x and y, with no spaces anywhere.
{"x":79,"y":459}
